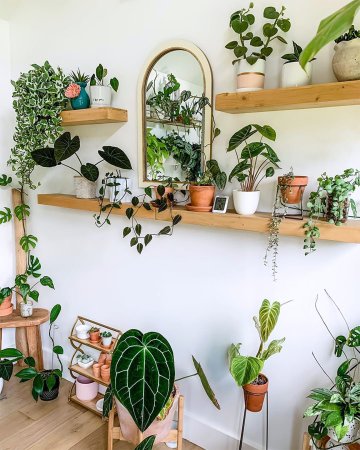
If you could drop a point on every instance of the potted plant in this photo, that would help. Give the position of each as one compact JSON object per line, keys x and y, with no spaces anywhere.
{"x":119,"y":187}
{"x":46,"y":382}
{"x":85,"y":361}
{"x":156,"y":154}
{"x":331,"y":201}
{"x":82,"y":331}
{"x":94,"y":334}
{"x":251,"y":63}
{"x":65,"y":147}
{"x":24,"y":287}
{"x":82,"y":100}
{"x":6,"y":307}
{"x":256,"y":161}
{"x":293,"y":74}
{"x":106,"y":339}
{"x":99,"y":92}
{"x":153,"y":410}
{"x":246,"y":370}
{"x":8,"y":356}
{"x":345,"y":63}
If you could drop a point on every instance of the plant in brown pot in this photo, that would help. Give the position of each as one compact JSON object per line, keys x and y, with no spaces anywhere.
{"x":246,"y":370}
{"x":94,"y":334}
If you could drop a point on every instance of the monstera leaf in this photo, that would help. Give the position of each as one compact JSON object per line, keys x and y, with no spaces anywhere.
{"x":64,"y":146}
{"x":268,"y":316}
{"x":142,"y":375}
{"x":354,"y":337}
{"x":147,"y":444}
{"x":245,"y":369}
{"x":115,"y":156}
{"x":205,"y":383}
{"x":44,"y":157}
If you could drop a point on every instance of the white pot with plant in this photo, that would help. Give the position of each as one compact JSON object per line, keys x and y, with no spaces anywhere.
{"x":293,"y":74}
{"x":85,"y":361}
{"x":106,"y":339}
{"x":256,"y":162}
{"x":100,"y":93}
{"x":251,"y":51}
{"x":118,"y":188}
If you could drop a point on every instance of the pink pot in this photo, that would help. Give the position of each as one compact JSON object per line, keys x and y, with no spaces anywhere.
{"x":160,"y":428}
{"x":86,"y":389}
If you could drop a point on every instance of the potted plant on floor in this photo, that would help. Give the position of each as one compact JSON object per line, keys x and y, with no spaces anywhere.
{"x":246,"y":370}
{"x":331,"y":201}
{"x":99,"y":92}
{"x":46,"y":382}
{"x":256,"y":161}
{"x":151,"y":408}
{"x":65,"y":147}
{"x":82,"y":100}
{"x":251,"y":63}
{"x":8,"y":356}
{"x":292,"y":73}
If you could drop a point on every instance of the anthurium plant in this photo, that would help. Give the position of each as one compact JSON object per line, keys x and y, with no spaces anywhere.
{"x":246,"y":369}
{"x":98,"y":78}
{"x":255,"y":160}
{"x":242,"y":21}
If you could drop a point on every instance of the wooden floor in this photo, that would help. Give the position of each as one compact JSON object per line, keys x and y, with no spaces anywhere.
{"x":56,"y":425}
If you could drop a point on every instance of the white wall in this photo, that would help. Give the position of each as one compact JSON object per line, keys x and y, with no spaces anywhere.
{"x":201,"y":287}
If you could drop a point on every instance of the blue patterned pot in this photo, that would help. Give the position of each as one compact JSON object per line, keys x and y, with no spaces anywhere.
{"x":83,"y":100}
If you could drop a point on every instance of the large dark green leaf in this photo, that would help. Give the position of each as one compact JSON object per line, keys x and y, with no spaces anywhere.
{"x":44,"y":157}
{"x":239,"y":169}
{"x":54,"y":314}
{"x":38,"y":384}
{"x":239,"y":137}
{"x":205,"y":383}
{"x":252,"y":150}
{"x":108,"y":402}
{"x":11,"y":353}
{"x":116,"y":157}
{"x":6,"y":370}
{"x":27,"y":373}
{"x":146,"y":444}
{"x":267,"y":131}
{"x":142,"y":375}
{"x":245,"y":369}
{"x":90,"y":171}
{"x":64,"y":146}
{"x":271,"y":155}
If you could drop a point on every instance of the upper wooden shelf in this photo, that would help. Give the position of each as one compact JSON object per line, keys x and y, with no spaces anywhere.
{"x":349,"y":232}
{"x":314,"y":96}
{"x":14,"y":320}
{"x":92,"y":116}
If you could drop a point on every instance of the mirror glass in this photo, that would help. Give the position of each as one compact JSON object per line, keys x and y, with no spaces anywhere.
{"x":176,"y":112}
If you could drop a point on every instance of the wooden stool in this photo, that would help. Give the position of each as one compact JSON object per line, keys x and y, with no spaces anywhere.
{"x":174,"y":435}
{"x":322,"y":443}
{"x":30,"y":327}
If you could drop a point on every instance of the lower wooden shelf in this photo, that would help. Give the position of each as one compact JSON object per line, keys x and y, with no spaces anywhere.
{"x":88,"y":373}
{"x":91,"y":405}
{"x":259,"y":222}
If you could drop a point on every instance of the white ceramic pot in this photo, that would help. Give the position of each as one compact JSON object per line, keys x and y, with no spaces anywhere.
{"x":84,"y":188}
{"x":250,"y":77}
{"x":26,"y":309}
{"x":85,"y":365}
{"x":293,"y":75}
{"x":346,"y":61}
{"x":246,"y":203}
{"x":82,"y":331}
{"x":100,"y":96}
{"x":1,"y":385}
{"x":106,"y":341}
{"x":350,"y":436}
{"x":117,"y":193}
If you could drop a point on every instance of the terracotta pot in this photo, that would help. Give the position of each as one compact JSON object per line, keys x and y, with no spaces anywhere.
{"x":108,"y":359}
{"x":96,"y":368}
{"x":6,"y":308}
{"x":254,"y":394}
{"x":292,"y":189}
{"x":105,"y":372}
{"x":95,"y":336}
{"x":160,"y":428}
{"x":202,"y":196}
{"x":168,"y":190}
{"x":102,"y":358}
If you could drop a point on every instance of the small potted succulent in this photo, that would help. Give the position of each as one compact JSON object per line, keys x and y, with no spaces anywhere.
{"x":251,"y":51}
{"x":94,"y":334}
{"x":79,"y":98}
{"x":8,"y":356}
{"x":345,"y":63}
{"x":46,"y":382}
{"x":256,"y":162}
{"x":292,"y":73}
{"x":85,"y":361}
{"x":100,"y":93}
{"x":106,"y":339}
{"x":65,"y":147}
{"x":246,"y":370}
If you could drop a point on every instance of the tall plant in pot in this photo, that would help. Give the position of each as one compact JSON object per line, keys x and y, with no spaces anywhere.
{"x":292,"y":73}
{"x":246,"y":370}
{"x":251,"y":51}
{"x":100,"y":92}
{"x":256,"y":162}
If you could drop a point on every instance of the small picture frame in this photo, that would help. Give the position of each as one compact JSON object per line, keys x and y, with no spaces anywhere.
{"x":220,"y":204}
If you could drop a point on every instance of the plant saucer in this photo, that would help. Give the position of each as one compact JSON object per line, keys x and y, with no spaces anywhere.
{"x":189,"y":207}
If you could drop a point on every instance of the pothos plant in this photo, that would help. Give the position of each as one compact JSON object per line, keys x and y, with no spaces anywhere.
{"x":331,"y":200}
{"x":146,"y":397}
{"x":241,"y":22}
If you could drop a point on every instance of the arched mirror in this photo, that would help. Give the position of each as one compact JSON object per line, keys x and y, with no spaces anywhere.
{"x":175,"y":114}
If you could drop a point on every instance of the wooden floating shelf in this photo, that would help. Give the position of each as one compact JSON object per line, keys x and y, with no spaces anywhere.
{"x":91,"y":405}
{"x":259,"y":222}
{"x":88,"y":373}
{"x":91,"y":116}
{"x":305,"y":97}
{"x":93,"y":345}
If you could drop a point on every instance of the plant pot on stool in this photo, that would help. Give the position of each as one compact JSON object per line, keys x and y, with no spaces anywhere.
{"x":6,"y":307}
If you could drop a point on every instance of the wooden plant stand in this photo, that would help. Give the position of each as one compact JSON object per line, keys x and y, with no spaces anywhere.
{"x":114,"y":432}
{"x":322,"y":443}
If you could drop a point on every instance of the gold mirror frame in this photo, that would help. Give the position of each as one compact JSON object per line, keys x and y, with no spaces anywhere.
{"x":142,"y":84}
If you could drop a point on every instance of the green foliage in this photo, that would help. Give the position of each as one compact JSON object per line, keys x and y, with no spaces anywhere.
{"x":98,"y":78}
{"x":295,"y":56}
{"x":79,"y":77}
{"x":108,"y":401}
{"x":38,"y":101}
{"x":142,"y":375}
{"x":256,"y":160}
{"x":205,"y":383}
{"x":330,"y":29}
{"x":5,"y":180}
{"x":146,"y":444}
{"x":7,"y":358}
{"x":349,"y":36}
{"x":5,"y":215}
{"x":156,"y":154}
{"x":241,"y":22}
{"x":331,"y":200}
{"x":246,"y":369}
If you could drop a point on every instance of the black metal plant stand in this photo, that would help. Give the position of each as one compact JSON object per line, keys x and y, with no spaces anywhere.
{"x":267,"y":421}
{"x":299,"y":215}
